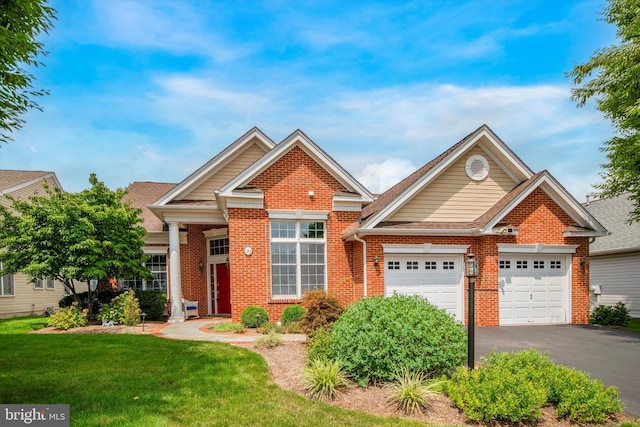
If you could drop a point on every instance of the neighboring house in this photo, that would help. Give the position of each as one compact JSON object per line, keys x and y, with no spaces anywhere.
{"x":614,"y":262}
{"x":18,"y":297}
{"x":261,"y":223}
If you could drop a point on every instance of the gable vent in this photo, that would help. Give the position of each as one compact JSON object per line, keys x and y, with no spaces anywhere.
{"x":477,"y":167}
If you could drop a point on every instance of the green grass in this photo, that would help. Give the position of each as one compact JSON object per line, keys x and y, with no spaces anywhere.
{"x":227,"y":327}
{"x":633,"y":326}
{"x":142,"y":380}
{"x":20,"y":325}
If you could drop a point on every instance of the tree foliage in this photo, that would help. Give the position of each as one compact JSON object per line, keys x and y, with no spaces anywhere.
{"x":73,"y":237}
{"x":21,"y":22}
{"x":617,"y":89}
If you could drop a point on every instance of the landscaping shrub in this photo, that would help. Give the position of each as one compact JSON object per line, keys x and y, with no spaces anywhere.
{"x":102,"y":298}
{"x":605,"y":315}
{"x":581,"y":398}
{"x":253,"y":316}
{"x":153,"y":303}
{"x":271,"y":340}
{"x":67,"y":318}
{"x":269,"y":327}
{"x":322,"y":310}
{"x":377,"y":336}
{"x":123,"y":309}
{"x":411,"y":391}
{"x":292,"y":313}
{"x":514,"y":386}
{"x":322,"y":379}
{"x":227,"y":327}
{"x":318,"y":344}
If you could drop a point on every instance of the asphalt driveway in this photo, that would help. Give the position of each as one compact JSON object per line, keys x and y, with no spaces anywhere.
{"x":609,"y":355}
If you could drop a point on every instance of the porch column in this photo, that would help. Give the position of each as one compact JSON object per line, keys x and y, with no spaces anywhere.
{"x":174,"y":274}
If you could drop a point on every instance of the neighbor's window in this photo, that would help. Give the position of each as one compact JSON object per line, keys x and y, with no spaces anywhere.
{"x":158,"y":266}
{"x":38,"y":284}
{"x":6,"y":284}
{"x":297,"y":257}
{"x":51,"y":283}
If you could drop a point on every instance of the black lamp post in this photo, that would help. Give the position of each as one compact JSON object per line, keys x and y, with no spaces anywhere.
{"x":471,"y":273}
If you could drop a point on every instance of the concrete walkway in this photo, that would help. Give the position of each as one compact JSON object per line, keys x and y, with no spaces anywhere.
{"x":197,"y":330}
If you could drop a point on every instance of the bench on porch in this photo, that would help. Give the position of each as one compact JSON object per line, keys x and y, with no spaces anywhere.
{"x":190,"y":309}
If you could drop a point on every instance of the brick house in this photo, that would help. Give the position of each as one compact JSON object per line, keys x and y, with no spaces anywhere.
{"x":260,"y":223}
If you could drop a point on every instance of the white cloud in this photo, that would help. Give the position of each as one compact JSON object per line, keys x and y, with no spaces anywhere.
{"x":378,"y":177}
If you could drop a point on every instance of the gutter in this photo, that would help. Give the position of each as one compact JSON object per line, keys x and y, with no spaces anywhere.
{"x":364,"y":259}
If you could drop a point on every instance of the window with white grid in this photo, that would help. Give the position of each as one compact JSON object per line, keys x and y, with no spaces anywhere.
{"x":298,"y":258}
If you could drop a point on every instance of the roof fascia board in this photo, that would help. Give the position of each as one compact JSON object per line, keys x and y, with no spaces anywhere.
{"x":499,"y":162}
{"x":536,"y":248}
{"x":31,"y":182}
{"x":213,"y":165}
{"x":188,"y":215}
{"x":559,"y":195}
{"x":417,"y":186}
{"x":298,"y":138}
{"x":425,"y":248}
{"x":413,"y":232}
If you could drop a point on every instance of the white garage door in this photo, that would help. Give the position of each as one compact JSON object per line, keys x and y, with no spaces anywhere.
{"x":438,"y":278}
{"x":533,"y":289}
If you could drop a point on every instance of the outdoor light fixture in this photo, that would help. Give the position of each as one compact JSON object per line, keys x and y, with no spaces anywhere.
{"x":376,"y":261}
{"x":471,"y":273}
{"x":200,"y":265}
{"x":583,"y":261}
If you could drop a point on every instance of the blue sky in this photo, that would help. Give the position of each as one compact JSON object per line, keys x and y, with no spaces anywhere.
{"x":151,"y":90}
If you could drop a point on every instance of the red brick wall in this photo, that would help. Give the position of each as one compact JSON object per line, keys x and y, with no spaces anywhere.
{"x":539,"y":220}
{"x":286,"y":185}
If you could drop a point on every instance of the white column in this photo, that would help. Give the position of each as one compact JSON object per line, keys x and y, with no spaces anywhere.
{"x":177,"y":314}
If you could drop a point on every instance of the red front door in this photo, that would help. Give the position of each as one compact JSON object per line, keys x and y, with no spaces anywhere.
{"x":222,"y":288}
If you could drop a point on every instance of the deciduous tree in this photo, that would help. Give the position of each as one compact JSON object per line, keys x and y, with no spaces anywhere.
{"x":74,"y":237}
{"x":21,"y":22}
{"x":617,"y":89}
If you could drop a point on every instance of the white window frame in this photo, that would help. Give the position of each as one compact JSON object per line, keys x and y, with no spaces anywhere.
{"x":38,"y":285}
{"x":11,"y":279}
{"x":50,"y":281}
{"x":298,"y":241}
{"x":143,"y":287}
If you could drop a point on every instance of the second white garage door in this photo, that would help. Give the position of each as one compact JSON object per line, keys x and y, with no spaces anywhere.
{"x":533,"y":289}
{"x":438,"y":278}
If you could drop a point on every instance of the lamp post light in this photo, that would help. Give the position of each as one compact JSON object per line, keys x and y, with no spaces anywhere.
{"x":471,"y":273}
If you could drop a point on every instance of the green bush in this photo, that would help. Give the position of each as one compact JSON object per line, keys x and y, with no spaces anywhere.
{"x":605,"y":315}
{"x":507,"y":387}
{"x":322,"y":310}
{"x":582,"y":399}
{"x":318,"y":344}
{"x":67,"y":318}
{"x":292,"y":313}
{"x":379,"y":335}
{"x":153,"y":303}
{"x":254,"y":316}
{"x":269,"y":327}
{"x":322,"y":379}
{"x":514,"y":386}
{"x":271,"y":340}
{"x":103,"y":297}
{"x":123,"y":309}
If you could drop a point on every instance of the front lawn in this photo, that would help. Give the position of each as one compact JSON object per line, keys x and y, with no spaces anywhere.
{"x":634,"y":325}
{"x":140,"y":380}
{"x":19,"y":325}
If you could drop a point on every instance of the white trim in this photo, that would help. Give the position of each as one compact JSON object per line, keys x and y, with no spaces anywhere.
{"x":346,"y":204}
{"x":156,"y":250}
{"x":298,"y":214}
{"x":245,"y":201}
{"x":43,"y":177}
{"x":216,"y":232}
{"x":413,"y":232}
{"x":537,"y":248}
{"x":207,"y":170}
{"x":299,"y":139}
{"x":425,"y":248}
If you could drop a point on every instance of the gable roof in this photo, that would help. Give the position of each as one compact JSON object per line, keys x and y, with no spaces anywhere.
{"x":213,"y":165}
{"x":375,"y":215}
{"x":299,"y":139}
{"x":13,"y":180}
{"x":613,"y":213}
{"x":392,"y":199}
{"x":141,"y":194}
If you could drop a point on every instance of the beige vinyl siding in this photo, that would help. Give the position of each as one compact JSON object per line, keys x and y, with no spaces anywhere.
{"x":454,"y":197}
{"x":20,"y":304}
{"x":35,"y":189}
{"x":619,"y":278}
{"x":205,"y":191}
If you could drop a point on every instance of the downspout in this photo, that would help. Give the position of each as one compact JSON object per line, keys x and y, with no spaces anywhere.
{"x":364,"y":260}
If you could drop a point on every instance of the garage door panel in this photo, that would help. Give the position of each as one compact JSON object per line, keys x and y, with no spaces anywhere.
{"x":533,"y":289}
{"x":438,"y":278}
